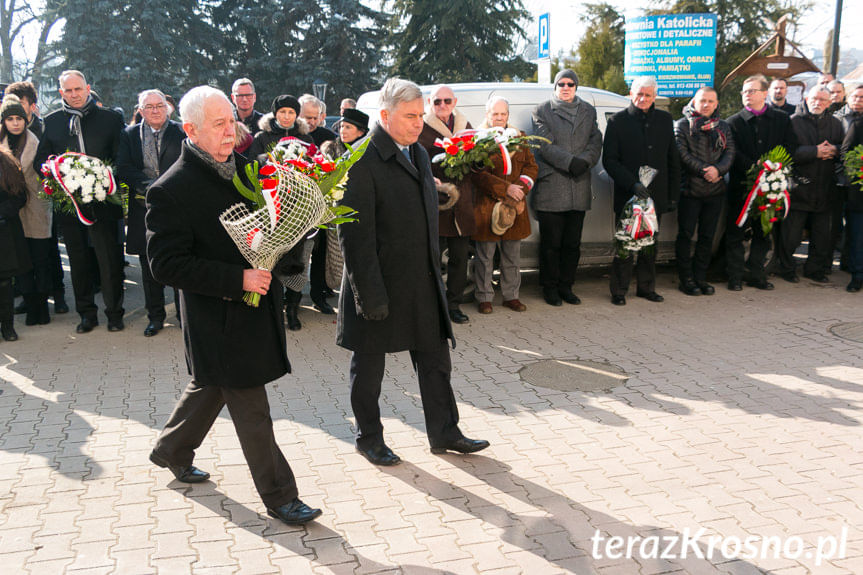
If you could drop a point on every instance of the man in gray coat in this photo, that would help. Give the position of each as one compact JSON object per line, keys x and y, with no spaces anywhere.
{"x":562,"y":194}
{"x":392,"y":296}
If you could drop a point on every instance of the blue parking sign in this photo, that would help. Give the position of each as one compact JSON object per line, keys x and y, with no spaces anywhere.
{"x":544,"y":44}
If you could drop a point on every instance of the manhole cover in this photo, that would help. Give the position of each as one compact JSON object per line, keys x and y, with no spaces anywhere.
{"x":852,"y":330}
{"x":573,"y":375}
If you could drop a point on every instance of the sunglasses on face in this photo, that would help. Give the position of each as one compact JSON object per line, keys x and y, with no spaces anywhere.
{"x":437,"y":102}
{"x":566,"y":84}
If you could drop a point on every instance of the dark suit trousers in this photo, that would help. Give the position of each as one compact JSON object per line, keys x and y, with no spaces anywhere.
{"x":194,"y":415}
{"x":433,"y":369}
{"x":735,"y":251}
{"x":318,"y":267}
{"x":645,"y":268}
{"x":559,"y":247}
{"x":458,"y":249}
{"x":820,"y":258}
{"x":103,"y":237}
{"x":154,"y":294}
{"x":692,"y":213}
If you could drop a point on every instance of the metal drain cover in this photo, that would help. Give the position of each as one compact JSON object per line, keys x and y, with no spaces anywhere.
{"x":573,"y":375}
{"x":852,"y":330}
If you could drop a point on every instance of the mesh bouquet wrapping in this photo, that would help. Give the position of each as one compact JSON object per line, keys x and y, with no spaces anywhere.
{"x":264,"y":235}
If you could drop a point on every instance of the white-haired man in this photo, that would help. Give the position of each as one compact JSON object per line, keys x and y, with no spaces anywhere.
{"x":82,"y":126}
{"x":637,"y":136}
{"x":313,"y":111}
{"x":392,"y":296}
{"x":147,"y":150}
{"x":816,"y":165}
{"x":232,"y":349}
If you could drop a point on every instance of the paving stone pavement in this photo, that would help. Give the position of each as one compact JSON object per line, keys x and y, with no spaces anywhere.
{"x":741,"y":418}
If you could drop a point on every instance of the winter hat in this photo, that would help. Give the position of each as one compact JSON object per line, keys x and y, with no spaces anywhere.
{"x":566,"y":73}
{"x":12,"y":107}
{"x":286,"y":101}
{"x":357,"y":118}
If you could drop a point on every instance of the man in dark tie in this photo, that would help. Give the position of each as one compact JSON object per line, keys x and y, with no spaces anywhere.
{"x":392,"y":296}
{"x":146,"y":150}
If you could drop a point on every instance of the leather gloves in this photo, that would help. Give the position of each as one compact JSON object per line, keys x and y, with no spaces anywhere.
{"x":640,"y":191}
{"x":577,"y":166}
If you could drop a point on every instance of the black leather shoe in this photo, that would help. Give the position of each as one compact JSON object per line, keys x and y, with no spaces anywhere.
{"x":8,"y":332}
{"x":706,"y":288}
{"x":323,"y":307}
{"x":294,"y":513}
{"x":152,"y":328}
{"x":618,"y":300}
{"x":689,"y":287}
{"x":569,"y":297}
{"x":183,"y":473}
{"x":762,"y":285}
{"x":790,"y":277}
{"x":551,"y":297}
{"x":462,"y":445}
{"x":116,"y":325}
{"x":458,"y":316}
{"x":652,"y":296}
{"x":86,"y":325}
{"x":820,"y":278}
{"x":735,"y":285}
{"x":380,"y":454}
{"x":854,"y":286}
{"x":60,"y":307}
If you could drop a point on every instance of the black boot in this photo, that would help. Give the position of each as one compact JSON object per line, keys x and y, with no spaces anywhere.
{"x":292,"y":307}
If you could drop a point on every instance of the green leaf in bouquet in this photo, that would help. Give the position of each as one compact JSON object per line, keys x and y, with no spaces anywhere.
{"x":331,"y":179}
{"x":255,"y":195}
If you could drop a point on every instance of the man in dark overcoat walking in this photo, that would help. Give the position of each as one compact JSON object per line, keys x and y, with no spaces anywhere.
{"x":147,"y":150}
{"x":392,"y":296}
{"x":232,"y":349}
{"x":640,"y":136}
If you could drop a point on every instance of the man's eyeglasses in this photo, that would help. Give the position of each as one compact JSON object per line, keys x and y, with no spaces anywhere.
{"x":566,"y":84}
{"x":750,"y":92}
{"x":244,"y":95}
{"x":154,"y":107}
{"x":437,"y":101}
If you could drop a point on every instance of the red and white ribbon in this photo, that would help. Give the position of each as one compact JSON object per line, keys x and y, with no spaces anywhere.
{"x":54,"y":167}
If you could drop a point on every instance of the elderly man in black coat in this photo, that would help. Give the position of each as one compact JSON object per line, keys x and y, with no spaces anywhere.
{"x":639,"y":136}
{"x":817,"y":168}
{"x":392,"y":296}
{"x":756,"y":129}
{"x":232,"y":349}
{"x":84,"y":127}
{"x":147,"y":150}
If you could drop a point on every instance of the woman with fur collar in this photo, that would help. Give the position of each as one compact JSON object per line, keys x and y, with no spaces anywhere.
{"x":283,"y":121}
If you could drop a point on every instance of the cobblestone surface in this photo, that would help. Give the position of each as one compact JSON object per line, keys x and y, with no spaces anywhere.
{"x":741,"y":418}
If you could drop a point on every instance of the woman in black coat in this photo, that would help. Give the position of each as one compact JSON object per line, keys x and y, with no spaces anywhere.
{"x":14,"y":256}
{"x":281,"y":122}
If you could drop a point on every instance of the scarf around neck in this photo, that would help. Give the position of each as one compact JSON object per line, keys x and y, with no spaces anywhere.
{"x":75,"y":115}
{"x":699,"y":123}
{"x":568,"y":108}
{"x":226,"y":169}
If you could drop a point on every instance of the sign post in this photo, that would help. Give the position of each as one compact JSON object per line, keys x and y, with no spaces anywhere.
{"x":544,"y":50}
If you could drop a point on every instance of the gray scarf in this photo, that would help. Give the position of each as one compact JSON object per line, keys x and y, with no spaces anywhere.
{"x":226,"y":169}
{"x":567,"y":108}
{"x":150,"y":149}
{"x":75,"y":120}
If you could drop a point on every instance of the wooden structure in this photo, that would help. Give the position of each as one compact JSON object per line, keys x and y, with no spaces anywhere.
{"x":776,"y":65}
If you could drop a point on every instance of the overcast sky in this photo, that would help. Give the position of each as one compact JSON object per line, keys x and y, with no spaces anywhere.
{"x":567,"y":29}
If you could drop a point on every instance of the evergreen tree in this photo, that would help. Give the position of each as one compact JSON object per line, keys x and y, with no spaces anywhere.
{"x":466,"y":41}
{"x":600,"y":51}
{"x":125,"y":48}
{"x":344,"y":46}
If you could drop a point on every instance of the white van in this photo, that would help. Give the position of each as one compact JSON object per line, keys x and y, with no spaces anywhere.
{"x":597,"y":245}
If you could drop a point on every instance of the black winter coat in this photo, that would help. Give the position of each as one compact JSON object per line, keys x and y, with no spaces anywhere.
{"x":697,"y":152}
{"x":14,"y":253}
{"x":753,"y":137}
{"x":816,"y":179}
{"x":228,"y":343}
{"x":853,"y":138}
{"x":102,"y":129}
{"x":130,"y":170}
{"x":270,"y":134}
{"x":392,"y":254}
{"x":633,"y":139}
